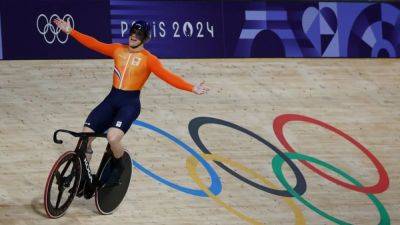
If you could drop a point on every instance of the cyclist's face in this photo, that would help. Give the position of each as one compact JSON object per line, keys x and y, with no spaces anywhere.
{"x":133,"y":40}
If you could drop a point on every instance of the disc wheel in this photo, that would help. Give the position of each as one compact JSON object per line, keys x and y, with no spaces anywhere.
{"x":109,"y":198}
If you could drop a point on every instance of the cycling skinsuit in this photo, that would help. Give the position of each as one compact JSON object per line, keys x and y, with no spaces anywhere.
{"x":131,"y":70}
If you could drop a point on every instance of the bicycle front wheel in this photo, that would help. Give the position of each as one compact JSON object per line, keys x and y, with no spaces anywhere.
{"x":62,"y":184}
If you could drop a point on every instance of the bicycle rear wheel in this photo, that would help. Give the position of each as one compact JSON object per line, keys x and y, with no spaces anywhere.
{"x":108,"y":199}
{"x":59,"y":192}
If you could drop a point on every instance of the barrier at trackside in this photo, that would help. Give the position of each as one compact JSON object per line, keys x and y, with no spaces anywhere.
{"x":205,"y":29}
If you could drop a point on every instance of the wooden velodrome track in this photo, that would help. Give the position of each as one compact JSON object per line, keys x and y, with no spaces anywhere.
{"x":360,"y":97}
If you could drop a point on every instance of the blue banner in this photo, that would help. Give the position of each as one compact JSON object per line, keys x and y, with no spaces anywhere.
{"x":205,"y":29}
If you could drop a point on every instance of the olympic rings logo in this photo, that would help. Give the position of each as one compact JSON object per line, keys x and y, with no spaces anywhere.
{"x":44,"y":26}
{"x":265,"y":185}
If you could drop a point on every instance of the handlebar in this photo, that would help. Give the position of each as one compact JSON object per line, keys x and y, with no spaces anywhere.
{"x":75,"y":134}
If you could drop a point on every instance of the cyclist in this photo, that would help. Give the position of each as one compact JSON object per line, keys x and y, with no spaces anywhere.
{"x":132,"y":67}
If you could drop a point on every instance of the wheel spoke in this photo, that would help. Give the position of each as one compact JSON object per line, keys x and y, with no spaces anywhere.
{"x":65,"y":168}
{"x":59,"y":198}
{"x":58,"y":177}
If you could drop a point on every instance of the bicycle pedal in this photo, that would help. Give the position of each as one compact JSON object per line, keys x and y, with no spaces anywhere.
{"x":89,"y":190}
{"x":88,"y":194}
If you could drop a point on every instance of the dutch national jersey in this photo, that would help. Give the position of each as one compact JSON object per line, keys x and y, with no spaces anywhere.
{"x":131,"y":69}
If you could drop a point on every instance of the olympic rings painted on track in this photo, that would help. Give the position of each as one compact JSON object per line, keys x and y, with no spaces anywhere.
{"x":277,"y":162}
{"x":215,"y":186}
{"x":194,"y":127}
{"x":383,"y":182}
{"x":191,"y":165}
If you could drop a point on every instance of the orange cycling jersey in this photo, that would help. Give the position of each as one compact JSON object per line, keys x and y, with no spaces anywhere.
{"x":131,"y":69}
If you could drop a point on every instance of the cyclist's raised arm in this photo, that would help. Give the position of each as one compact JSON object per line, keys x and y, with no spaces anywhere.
{"x":86,"y":40}
{"x":94,"y":44}
{"x":157,"y":68}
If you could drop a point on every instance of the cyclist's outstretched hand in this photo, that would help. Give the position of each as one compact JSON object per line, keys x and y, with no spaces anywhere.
{"x":65,"y":26}
{"x":200,"y":88}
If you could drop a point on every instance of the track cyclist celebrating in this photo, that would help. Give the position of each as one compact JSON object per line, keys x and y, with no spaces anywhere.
{"x":132,"y":67}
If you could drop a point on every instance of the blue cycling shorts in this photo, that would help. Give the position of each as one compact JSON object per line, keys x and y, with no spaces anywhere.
{"x":119,"y":109}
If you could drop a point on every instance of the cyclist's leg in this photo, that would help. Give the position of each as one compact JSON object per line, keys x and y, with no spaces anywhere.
{"x":89,"y":150}
{"x":99,"y":119}
{"x":122,"y":122}
{"x":114,"y":137}
{"x":96,"y":122}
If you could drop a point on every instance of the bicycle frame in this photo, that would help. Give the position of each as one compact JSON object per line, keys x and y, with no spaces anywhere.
{"x":80,"y":150}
